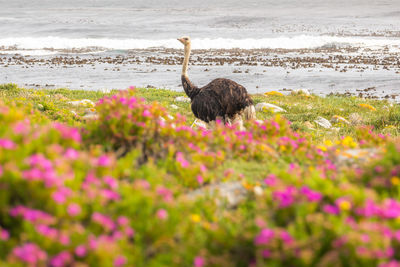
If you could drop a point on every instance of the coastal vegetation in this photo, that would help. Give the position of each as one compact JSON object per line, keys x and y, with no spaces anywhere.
{"x":121,"y":178}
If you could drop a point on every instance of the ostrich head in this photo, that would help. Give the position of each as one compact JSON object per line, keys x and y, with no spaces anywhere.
{"x":185,"y":40}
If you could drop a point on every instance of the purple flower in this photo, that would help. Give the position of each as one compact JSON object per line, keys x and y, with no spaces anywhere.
{"x":120,"y":261}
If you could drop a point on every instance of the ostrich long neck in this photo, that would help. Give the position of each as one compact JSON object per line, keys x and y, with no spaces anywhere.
{"x":190,"y":90}
{"x":186,"y":60}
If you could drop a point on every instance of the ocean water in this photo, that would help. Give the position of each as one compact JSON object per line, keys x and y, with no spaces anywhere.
{"x":44,"y":30}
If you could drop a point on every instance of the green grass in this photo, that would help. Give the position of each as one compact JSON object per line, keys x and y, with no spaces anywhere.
{"x":301,"y":110}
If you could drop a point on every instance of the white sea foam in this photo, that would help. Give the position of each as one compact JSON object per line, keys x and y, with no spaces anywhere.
{"x":295,"y":42}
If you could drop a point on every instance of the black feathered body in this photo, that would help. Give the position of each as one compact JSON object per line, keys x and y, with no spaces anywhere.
{"x":220,"y":98}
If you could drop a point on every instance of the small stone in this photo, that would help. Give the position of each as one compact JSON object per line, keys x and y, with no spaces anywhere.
{"x":309,"y":125}
{"x":182,"y":99}
{"x":323,"y":122}
{"x":304,"y":92}
{"x":199,"y":124}
{"x":90,"y":117}
{"x":40,"y":107}
{"x":258,"y":191}
{"x":83,"y":102}
{"x":266,"y":107}
{"x":356,"y":119}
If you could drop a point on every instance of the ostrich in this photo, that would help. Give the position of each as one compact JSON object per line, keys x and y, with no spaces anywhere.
{"x":221,"y":99}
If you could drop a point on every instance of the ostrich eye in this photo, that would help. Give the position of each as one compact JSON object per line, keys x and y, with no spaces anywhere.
{"x":185,"y":39}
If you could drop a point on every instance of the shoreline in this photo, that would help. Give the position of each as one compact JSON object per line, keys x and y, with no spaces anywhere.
{"x":322,"y":71}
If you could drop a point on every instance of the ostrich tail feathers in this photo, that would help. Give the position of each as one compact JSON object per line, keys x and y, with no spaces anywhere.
{"x":249,"y":113}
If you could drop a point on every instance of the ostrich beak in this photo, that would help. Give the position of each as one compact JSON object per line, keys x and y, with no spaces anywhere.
{"x":180,"y":40}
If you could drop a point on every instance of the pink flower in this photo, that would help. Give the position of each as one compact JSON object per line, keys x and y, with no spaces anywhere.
{"x":40,"y":160}
{"x":103,"y":220}
{"x":103,"y":161}
{"x":30,"y":253}
{"x":7,"y":143}
{"x":111,"y":182}
{"x":286,"y":237}
{"x":47,"y":231}
{"x":392,"y":263}
{"x":264,"y":236}
{"x":120,"y":261}
{"x":198,"y":261}
{"x":68,"y":132}
{"x":21,"y":127}
{"x":4,"y":235}
{"x":74,"y":209}
{"x":286,"y":197}
{"x":80,"y":251}
{"x":132,"y":87}
{"x":64,"y":239}
{"x":203,"y":168}
{"x":129,"y":232}
{"x":312,"y":196}
{"x":61,"y":259}
{"x":60,"y":196}
{"x":1,"y":170}
{"x":122,"y":220}
{"x":271,"y":180}
{"x":162,"y":214}
{"x":200,"y":179}
{"x":146,"y":113}
{"x":266,"y":253}
{"x":331,"y":209}
{"x":71,"y":153}
{"x":180,"y":158}
{"x":165,"y":193}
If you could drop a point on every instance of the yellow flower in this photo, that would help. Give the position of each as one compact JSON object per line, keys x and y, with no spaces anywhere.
{"x":328,"y":143}
{"x":195,"y":218}
{"x":395,"y":180}
{"x":398,"y":219}
{"x":247,"y":185}
{"x":367,"y":106}
{"x":344,"y":205}
{"x":273,"y":93}
{"x":349,"y":142}
{"x":322,"y":148}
